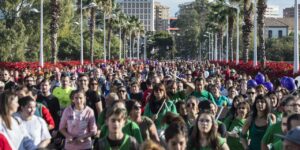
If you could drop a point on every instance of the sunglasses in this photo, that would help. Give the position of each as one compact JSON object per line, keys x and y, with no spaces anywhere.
{"x":190,"y":105}
{"x":122,"y":91}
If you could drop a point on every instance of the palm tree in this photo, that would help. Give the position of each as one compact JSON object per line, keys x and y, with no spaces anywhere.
{"x":217,"y":20}
{"x":261,"y":10}
{"x":107,"y":7}
{"x":92,"y":32}
{"x":248,"y":6}
{"x":55,"y":12}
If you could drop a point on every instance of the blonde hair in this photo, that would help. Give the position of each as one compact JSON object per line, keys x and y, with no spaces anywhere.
{"x":150,"y":145}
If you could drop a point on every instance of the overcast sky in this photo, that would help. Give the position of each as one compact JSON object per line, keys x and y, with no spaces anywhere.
{"x":173,"y":4}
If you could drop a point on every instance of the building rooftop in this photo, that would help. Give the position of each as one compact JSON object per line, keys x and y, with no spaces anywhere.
{"x":275,"y":22}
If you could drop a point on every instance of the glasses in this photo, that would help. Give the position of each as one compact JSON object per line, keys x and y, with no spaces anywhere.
{"x":122,"y":91}
{"x":242,"y":108}
{"x":190,"y":105}
{"x":204,"y":121}
{"x":136,"y":107}
{"x":250,"y":93}
{"x":94,"y":84}
{"x":159,"y":90}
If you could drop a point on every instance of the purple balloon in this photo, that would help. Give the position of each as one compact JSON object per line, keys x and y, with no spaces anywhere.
{"x":260,"y":78}
{"x":251,"y":83}
{"x":282,"y":80}
{"x":289,"y":84}
{"x":269,"y":86}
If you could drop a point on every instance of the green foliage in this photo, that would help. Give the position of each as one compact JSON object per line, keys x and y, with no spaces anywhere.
{"x":162,"y":41}
{"x":20,"y":31}
{"x":280,"y":49}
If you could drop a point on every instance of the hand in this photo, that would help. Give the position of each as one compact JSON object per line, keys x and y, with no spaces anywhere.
{"x":154,"y":117}
{"x":80,"y":139}
{"x":69,"y":139}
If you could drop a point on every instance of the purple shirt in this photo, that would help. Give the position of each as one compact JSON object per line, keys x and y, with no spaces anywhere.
{"x":78,"y":124}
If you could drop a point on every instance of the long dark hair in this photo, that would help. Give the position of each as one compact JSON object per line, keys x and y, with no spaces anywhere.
{"x":213,"y":136}
{"x":268,"y":106}
{"x":5,"y":100}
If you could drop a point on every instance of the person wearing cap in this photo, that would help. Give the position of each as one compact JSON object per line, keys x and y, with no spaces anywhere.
{"x":287,"y":124}
{"x":291,"y":139}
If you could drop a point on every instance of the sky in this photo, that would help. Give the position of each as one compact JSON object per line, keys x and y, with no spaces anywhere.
{"x":173,"y":4}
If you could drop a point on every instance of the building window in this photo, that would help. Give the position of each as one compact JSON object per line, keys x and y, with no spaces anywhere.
{"x":270,"y":34}
{"x":280,"y":33}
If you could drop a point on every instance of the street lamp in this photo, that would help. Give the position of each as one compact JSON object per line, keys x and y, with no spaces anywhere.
{"x":41,"y":51}
{"x":81,"y":30}
{"x":296,"y":39}
{"x":255,"y":37}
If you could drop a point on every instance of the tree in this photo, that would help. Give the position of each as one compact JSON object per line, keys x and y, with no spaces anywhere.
{"x":261,"y":10}
{"x":247,"y":29}
{"x":55,"y":13}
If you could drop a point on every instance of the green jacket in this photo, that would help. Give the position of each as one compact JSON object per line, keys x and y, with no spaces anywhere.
{"x":203,"y":95}
{"x":130,"y":128}
{"x":270,"y":136}
{"x":235,"y":125}
{"x":168,"y":107}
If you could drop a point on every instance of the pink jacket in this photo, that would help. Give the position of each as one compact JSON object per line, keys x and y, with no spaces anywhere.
{"x":78,"y":126}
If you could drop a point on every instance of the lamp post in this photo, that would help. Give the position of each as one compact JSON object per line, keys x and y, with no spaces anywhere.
{"x":104,"y":36}
{"x":237,"y":36}
{"x":216,"y":47}
{"x":41,"y":60}
{"x":227,"y":40}
{"x":296,"y":39}
{"x":255,"y":37}
{"x":145,"y":47}
{"x":81,"y":35}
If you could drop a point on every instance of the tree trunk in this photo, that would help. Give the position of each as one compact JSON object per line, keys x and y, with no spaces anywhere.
{"x":230,"y":33}
{"x":247,"y":29}
{"x":261,"y":10}
{"x":55,"y":10}
{"x":109,"y":37}
{"x":92,"y":31}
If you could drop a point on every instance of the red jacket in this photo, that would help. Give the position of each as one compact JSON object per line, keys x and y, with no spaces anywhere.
{"x":4,"y":145}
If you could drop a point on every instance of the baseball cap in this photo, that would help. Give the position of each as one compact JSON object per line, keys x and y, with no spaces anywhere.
{"x":292,"y":136}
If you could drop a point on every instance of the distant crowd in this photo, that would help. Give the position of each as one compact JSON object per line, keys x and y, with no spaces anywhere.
{"x":151,"y":105}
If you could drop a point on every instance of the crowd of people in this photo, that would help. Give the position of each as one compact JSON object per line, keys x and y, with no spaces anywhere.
{"x":151,"y":105}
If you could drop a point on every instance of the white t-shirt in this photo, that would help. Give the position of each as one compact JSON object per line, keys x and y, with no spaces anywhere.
{"x":17,"y":136}
{"x":37,"y":129}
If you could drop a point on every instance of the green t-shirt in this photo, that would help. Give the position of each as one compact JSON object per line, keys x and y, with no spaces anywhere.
{"x":63,"y":96}
{"x":235,"y":125}
{"x":101,"y":119}
{"x":178,"y":96}
{"x":203,"y":95}
{"x":222,"y":101}
{"x":277,"y":145}
{"x":222,"y":141}
{"x":270,"y":136}
{"x":168,"y":107}
{"x":127,"y":144}
{"x":130,"y":128}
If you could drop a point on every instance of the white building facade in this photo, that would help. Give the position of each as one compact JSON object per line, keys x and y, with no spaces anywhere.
{"x":142,"y":9}
{"x":272,"y":11}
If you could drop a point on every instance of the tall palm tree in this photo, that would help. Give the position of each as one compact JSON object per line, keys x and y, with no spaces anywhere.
{"x":107,"y":8}
{"x":261,"y":10}
{"x":248,"y":6}
{"x":112,"y":24}
{"x":217,"y":20}
{"x":92,"y":32}
{"x":55,"y":13}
